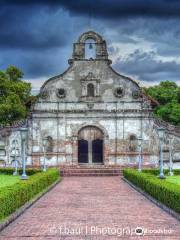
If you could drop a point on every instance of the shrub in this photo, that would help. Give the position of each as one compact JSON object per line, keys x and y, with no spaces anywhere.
{"x":156,"y":171}
{"x":177,"y":171}
{"x":9,"y":171}
{"x":165,"y":192}
{"x":16,"y":195}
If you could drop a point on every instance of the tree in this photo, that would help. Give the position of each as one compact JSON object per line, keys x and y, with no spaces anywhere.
{"x":168,"y":95}
{"x":14,"y":95}
{"x":14,"y":74}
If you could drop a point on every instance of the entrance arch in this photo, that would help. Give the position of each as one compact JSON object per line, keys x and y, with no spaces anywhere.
{"x":90,"y":145}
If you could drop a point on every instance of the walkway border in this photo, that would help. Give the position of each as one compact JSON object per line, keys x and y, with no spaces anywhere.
{"x":27,"y":205}
{"x":153,"y":200}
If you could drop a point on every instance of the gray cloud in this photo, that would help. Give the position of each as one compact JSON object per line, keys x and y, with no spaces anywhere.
{"x":147,"y":68}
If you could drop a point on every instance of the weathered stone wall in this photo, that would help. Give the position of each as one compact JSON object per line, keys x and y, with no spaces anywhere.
{"x":64,"y":132}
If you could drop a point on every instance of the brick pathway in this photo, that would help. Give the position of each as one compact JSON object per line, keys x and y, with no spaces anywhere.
{"x":89,"y":206}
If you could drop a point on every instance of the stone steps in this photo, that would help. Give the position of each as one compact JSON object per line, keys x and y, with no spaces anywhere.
{"x":90,"y":174}
{"x":90,"y":171}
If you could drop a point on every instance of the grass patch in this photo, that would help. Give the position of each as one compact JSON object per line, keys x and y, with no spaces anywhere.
{"x":173,"y":179}
{"x":8,"y":180}
{"x":16,"y":195}
{"x":164,"y":191}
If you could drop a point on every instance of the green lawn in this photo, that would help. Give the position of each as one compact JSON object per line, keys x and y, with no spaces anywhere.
{"x":7,"y":180}
{"x":14,"y":192}
{"x":173,"y":179}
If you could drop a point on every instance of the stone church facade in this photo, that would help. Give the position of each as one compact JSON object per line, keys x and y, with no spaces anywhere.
{"x":90,"y":114}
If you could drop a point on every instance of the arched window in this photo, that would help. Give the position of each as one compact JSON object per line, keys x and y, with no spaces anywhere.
{"x":90,"y":90}
{"x":49,"y":146}
{"x":90,"y":49}
{"x":132,"y":143}
{"x":2,"y":148}
{"x":132,"y":138}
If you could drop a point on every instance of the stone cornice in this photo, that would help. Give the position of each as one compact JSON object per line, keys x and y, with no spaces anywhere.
{"x":94,"y":110}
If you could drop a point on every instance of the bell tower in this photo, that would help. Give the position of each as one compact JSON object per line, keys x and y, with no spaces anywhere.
{"x":99,"y":44}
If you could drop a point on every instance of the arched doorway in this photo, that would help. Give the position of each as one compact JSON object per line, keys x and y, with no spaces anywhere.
{"x":90,"y":145}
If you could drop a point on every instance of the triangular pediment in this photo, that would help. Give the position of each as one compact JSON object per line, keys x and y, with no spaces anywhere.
{"x":90,"y":76}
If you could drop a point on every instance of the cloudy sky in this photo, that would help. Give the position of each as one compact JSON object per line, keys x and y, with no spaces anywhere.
{"x":143,"y":36}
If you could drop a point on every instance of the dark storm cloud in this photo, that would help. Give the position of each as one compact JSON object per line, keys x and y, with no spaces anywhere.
{"x":35,"y":39}
{"x":112,"y":8}
{"x":37,"y":35}
{"x":31,"y":27}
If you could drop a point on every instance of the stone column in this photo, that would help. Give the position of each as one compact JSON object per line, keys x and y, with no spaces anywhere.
{"x":90,"y":151}
{"x":106,"y":151}
{"x":75,"y":150}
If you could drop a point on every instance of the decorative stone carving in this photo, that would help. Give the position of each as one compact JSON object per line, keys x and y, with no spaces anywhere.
{"x":90,"y":105}
{"x":44,"y":94}
{"x":119,"y":92}
{"x":61,"y":93}
{"x":90,"y":77}
{"x":90,"y":81}
{"x":136,"y":94}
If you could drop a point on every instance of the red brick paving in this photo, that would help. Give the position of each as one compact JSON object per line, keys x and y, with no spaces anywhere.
{"x":101,"y":202}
